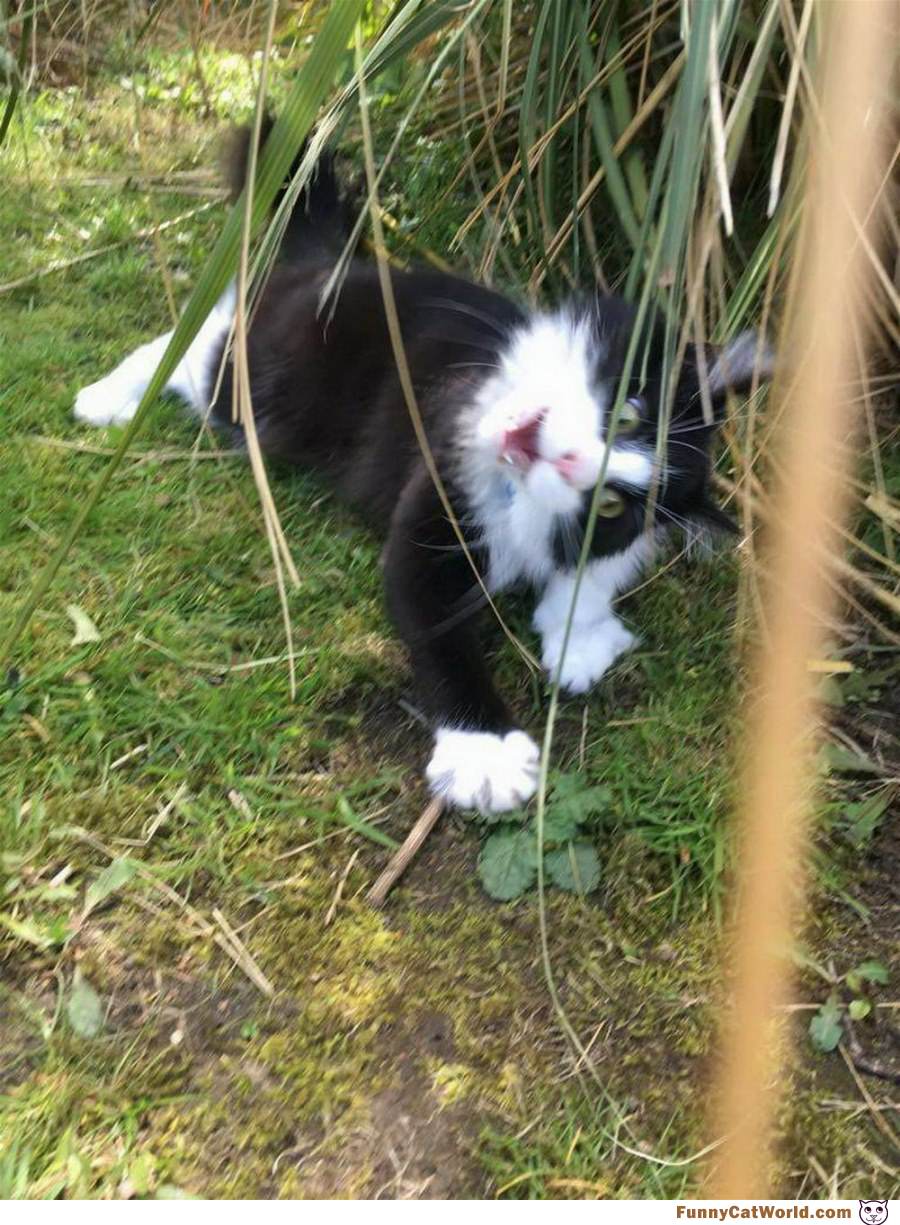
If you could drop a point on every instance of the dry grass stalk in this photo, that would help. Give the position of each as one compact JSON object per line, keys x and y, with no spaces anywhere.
{"x":813,"y":495}
{"x":229,"y":942}
{"x":402,"y":858}
{"x":339,"y":891}
{"x":141,"y":457}
{"x":60,"y":265}
{"x":243,"y":402}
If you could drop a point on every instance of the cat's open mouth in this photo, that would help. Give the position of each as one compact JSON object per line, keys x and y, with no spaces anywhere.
{"x":520,"y":446}
{"x":520,"y":449}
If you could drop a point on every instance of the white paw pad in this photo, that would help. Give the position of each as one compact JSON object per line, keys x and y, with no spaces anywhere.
{"x":483,"y":770}
{"x":106,"y":402}
{"x":591,"y":650}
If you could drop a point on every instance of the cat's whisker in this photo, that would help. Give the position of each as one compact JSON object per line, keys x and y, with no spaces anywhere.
{"x":689,"y":446}
{"x":465,"y":342}
{"x":456,"y":547}
{"x":479,"y":365}
{"x":460,"y":308}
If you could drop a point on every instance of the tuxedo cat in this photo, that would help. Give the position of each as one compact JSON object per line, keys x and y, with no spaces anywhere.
{"x":515,"y":405}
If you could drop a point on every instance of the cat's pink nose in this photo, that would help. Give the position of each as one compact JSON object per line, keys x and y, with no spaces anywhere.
{"x":568,"y":466}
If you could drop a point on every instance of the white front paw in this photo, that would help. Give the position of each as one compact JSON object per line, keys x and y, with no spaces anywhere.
{"x":106,"y":402}
{"x":483,"y":770}
{"x":591,"y":650}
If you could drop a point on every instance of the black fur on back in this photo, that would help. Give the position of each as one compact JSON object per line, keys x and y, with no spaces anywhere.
{"x":326,"y":393}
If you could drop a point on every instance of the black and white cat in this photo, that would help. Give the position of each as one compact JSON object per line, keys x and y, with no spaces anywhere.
{"x":515,"y":406}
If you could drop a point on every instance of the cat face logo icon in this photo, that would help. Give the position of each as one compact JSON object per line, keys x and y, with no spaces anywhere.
{"x":873,"y":1211}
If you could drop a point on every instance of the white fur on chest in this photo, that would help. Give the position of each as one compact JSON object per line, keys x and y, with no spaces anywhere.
{"x":518,"y":535}
{"x":547,"y":366}
{"x":547,"y":373}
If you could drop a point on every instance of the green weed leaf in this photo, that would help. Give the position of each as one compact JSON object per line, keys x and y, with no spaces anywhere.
{"x":825,"y":1028}
{"x":859,"y":1009}
{"x":572,"y":801}
{"x":575,"y":868}
{"x":110,"y":880}
{"x":507,"y":865}
{"x":869,"y":972}
{"x":30,"y":932}
{"x":830,"y":691}
{"x":360,"y":825}
{"x":78,"y":1175}
{"x":845,"y":761}
{"x":560,"y":825}
{"x":142,"y":1173}
{"x":84,"y":1009}
{"x":859,"y":686}
{"x":861,"y":819}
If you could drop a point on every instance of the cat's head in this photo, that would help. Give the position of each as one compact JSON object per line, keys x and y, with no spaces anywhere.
{"x":545,"y":421}
{"x":873,"y":1211}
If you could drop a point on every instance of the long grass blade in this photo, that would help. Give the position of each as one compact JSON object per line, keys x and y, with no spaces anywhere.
{"x":603,"y":137}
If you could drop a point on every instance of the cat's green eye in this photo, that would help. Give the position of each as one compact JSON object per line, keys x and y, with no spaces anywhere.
{"x":629,"y":416}
{"x":610,"y":504}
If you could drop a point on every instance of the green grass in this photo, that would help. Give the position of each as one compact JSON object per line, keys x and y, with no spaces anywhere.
{"x":199,"y":1082}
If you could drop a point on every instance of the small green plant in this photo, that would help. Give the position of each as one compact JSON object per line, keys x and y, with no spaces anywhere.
{"x":858,"y":820}
{"x":826,"y":1029}
{"x":508,"y":863}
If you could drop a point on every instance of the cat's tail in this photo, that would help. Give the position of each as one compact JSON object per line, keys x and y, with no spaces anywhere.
{"x":321,"y":219}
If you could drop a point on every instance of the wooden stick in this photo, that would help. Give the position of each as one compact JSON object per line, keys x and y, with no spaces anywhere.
{"x":402,"y":858}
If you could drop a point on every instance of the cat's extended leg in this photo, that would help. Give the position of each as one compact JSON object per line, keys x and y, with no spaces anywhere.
{"x":480,"y":759}
{"x":113,"y":399}
{"x":597,"y":637}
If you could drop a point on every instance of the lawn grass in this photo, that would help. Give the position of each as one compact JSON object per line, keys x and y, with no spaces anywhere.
{"x":425,"y":1031}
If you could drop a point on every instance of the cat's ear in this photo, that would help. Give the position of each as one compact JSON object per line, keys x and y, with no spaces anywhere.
{"x":733,"y":367}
